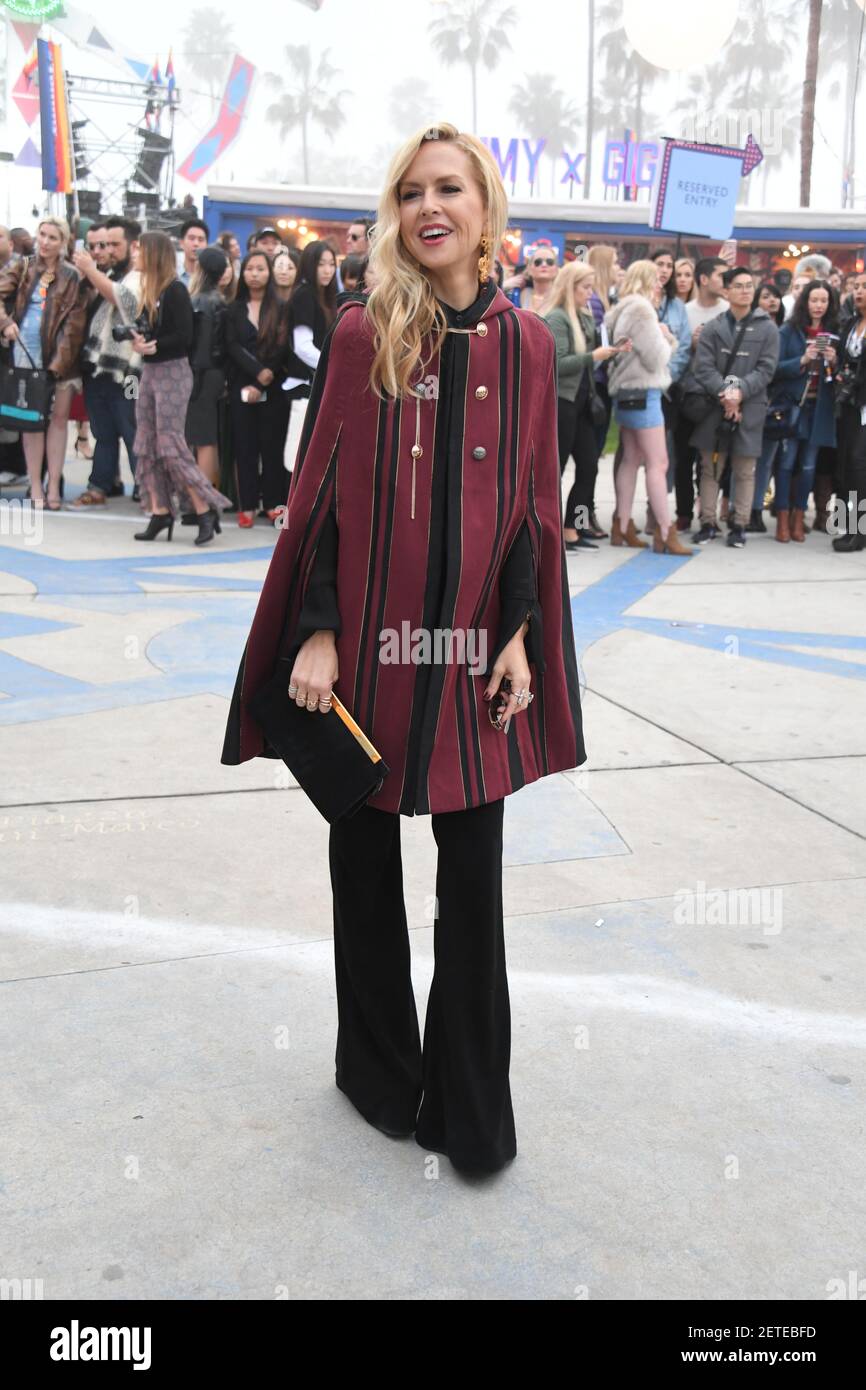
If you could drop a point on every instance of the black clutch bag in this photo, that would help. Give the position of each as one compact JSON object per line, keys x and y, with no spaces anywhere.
{"x":329,"y":754}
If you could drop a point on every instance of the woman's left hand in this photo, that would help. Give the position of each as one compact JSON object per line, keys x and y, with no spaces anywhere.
{"x":144,"y":346}
{"x":511,"y":662}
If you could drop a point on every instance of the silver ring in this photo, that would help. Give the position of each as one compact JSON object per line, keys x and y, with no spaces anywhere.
{"x":293,"y":690}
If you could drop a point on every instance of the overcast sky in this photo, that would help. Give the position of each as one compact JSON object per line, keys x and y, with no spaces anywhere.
{"x":377,"y":46}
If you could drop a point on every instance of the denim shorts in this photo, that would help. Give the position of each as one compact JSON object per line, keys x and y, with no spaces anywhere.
{"x":641,"y":419}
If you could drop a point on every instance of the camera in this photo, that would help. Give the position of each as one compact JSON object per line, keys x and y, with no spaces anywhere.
{"x":846,"y":386}
{"x":124,"y":332}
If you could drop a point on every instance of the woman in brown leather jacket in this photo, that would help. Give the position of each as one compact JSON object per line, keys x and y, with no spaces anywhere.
{"x":43,"y":305}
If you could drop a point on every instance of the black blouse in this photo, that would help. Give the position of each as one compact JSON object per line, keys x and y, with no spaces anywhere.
{"x":244,"y":352}
{"x":517,"y":587}
{"x":174,"y":328}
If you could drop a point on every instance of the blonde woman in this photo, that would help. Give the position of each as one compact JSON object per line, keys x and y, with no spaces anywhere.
{"x":426,"y":497}
{"x":578,"y":352}
{"x":47,"y":316}
{"x":636,"y":380}
{"x":164,"y":465}
{"x":604,"y":261}
{"x":533,"y":286}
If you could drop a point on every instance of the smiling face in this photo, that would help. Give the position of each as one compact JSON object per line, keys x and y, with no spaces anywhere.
{"x":439,"y":195}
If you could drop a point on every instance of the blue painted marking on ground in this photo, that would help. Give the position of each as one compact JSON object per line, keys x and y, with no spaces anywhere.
{"x":201,"y":654}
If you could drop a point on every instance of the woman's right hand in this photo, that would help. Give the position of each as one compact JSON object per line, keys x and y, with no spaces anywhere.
{"x":10,"y":332}
{"x":265,"y":376}
{"x":253,"y":395}
{"x":603,"y":354}
{"x":315,"y":670}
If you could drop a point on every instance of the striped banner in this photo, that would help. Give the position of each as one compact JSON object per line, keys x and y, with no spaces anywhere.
{"x":57,"y":165}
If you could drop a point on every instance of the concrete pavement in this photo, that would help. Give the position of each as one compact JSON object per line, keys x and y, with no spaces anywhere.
{"x":684,"y":928}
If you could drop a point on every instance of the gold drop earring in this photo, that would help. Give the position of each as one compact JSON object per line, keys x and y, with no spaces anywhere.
{"x":484,"y":259}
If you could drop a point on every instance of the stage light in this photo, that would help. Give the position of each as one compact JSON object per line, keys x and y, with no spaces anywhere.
{"x":680,"y":35}
{"x":293,"y":222}
{"x":302,"y":230}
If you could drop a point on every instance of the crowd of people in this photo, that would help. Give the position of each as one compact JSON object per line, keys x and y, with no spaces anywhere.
{"x":734,"y":394}
{"x":194,"y":356}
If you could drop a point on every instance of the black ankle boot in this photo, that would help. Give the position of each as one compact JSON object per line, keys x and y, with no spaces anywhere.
{"x":756,"y":521}
{"x":191,"y":519}
{"x":155,"y":525}
{"x":208,"y":525}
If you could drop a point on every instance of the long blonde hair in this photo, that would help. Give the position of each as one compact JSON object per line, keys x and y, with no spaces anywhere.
{"x":642,"y":277}
{"x":402,"y":308}
{"x":562,"y":297}
{"x":158,"y":269}
{"x":602,"y":258}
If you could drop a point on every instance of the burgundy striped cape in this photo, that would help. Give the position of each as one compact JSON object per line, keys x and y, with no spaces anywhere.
{"x":355,"y":452}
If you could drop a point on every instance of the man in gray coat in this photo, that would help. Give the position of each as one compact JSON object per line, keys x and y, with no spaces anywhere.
{"x":735,"y":426}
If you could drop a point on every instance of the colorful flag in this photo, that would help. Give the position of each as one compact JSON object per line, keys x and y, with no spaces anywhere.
{"x":227,"y":124}
{"x":169,"y":75}
{"x":57,"y":164}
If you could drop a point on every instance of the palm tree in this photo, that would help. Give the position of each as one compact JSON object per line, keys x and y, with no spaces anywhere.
{"x":545,"y":113}
{"x":762,"y":45}
{"x":627,"y":76}
{"x":843,"y":25}
{"x":410,"y":105}
{"x":810,"y":84}
{"x":780,"y":94}
{"x":209,"y":40}
{"x":590,"y":96}
{"x":473,"y":32}
{"x":306,"y":97}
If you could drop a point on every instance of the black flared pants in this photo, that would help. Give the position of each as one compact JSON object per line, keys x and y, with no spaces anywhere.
{"x":460,"y":1077}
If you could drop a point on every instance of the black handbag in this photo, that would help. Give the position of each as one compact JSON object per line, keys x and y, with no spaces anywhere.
{"x":26,"y":397}
{"x":329,"y":754}
{"x":696,"y":405}
{"x":782,"y":420}
{"x":633,"y":400}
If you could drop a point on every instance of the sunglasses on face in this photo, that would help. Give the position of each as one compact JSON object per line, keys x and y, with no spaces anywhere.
{"x":543,"y":260}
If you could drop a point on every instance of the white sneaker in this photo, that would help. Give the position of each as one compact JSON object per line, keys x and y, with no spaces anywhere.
{"x":11,"y":478}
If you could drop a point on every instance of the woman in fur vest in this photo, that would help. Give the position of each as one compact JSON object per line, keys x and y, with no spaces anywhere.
{"x":636,"y":380}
